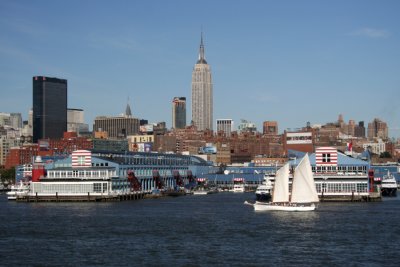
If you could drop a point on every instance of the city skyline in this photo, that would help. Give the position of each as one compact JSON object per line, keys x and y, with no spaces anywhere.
{"x":265,"y":57}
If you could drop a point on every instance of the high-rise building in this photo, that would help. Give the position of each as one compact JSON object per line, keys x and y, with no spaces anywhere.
{"x":75,"y":121}
{"x":225,"y":125}
{"x":49,"y":107}
{"x":378,"y":129}
{"x":202,"y":93}
{"x":16,"y":120}
{"x":351,"y":128}
{"x":179,"y":112}
{"x":359,"y":130}
{"x":117,"y":127}
{"x":270,"y":127}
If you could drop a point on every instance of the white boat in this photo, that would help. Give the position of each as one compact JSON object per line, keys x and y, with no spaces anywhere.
{"x":264,"y":191}
{"x":203,"y":188}
{"x":200,"y":192}
{"x":238,"y":185}
{"x":238,"y":188}
{"x":389,"y":185}
{"x":20,"y":189}
{"x":304,"y":194}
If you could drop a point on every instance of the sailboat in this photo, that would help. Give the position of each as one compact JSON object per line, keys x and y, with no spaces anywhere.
{"x":304,"y":194}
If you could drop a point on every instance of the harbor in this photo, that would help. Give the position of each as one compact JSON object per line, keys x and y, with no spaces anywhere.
{"x":97,"y":176}
{"x":198,"y":231}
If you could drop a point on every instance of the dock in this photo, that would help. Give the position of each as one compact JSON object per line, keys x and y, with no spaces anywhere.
{"x":371,"y":197}
{"x":81,"y":198}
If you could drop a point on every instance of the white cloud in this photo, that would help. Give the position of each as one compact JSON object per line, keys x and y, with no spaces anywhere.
{"x":372,"y":33}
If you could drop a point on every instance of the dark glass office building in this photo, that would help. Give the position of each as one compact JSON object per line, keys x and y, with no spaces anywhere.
{"x":49,"y":107}
{"x":179,"y":112}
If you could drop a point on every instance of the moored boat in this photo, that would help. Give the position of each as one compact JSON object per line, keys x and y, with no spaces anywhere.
{"x":389,"y":185}
{"x":20,"y":189}
{"x":264,"y":191}
{"x":238,"y":185}
{"x":203,"y":188}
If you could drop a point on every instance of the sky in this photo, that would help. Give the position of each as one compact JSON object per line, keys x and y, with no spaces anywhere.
{"x":288,"y":61}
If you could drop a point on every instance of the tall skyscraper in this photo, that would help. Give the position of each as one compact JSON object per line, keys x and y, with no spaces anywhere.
{"x":202,"y":93}
{"x":49,"y":107}
{"x":179,"y":112}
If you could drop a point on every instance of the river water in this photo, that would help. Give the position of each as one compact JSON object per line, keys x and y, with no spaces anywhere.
{"x":211,"y":230}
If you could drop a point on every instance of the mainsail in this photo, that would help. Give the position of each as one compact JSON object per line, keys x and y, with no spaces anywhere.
{"x":281,"y":186}
{"x":303,"y":186}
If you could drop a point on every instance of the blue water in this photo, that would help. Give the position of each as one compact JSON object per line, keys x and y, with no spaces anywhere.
{"x":217,"y":230}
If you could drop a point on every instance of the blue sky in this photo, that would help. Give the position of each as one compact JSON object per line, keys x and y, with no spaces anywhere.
{"x":289,"y":61}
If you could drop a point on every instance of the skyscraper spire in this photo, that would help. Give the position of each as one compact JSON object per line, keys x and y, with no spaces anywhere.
{"x":128,"y":112}
{"x":202,"y":59}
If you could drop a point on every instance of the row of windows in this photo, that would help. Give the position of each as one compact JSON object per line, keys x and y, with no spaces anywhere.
{"x":339,"y":169}
{"x":81,"y":174}
{"x":72,"y":188}
{"x":65,"y":188}
{"x":156,"y":160}
{"x":149,"y":172}
{"x":342,"y":187}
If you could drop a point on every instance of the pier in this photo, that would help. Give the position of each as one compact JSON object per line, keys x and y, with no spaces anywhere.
{"x":371,"y":197}
{"x":81,"y":198}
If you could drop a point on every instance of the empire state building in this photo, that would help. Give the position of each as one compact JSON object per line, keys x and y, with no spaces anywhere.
{"x":202,"y":93}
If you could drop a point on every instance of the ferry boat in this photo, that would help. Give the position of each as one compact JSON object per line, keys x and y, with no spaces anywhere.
{"x":389,"y":185}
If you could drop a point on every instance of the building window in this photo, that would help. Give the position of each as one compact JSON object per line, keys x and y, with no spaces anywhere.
{"x":326,"y":157}
{"x":97,"y":187}
{"x":81,"y":160}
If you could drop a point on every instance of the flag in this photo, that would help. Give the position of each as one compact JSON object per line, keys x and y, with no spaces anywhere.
{"x":350,"y":146}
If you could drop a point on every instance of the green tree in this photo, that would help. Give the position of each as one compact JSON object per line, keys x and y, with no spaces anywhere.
{"x":385,"y":155}
{"x":8,"y":175}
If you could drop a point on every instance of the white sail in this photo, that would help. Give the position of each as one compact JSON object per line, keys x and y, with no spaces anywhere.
{"x":281,"y":186}
{"x":303,"y":186}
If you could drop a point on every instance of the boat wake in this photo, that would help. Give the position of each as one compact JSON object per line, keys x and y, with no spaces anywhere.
{"x":248,"y":203}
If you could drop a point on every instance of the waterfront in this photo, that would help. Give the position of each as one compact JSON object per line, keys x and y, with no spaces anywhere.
{"x":215,"y":229}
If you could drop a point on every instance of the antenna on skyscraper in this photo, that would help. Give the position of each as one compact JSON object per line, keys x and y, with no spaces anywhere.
{"x":128,"y":112}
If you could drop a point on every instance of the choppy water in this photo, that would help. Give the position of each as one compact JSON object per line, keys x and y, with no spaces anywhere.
{"x":198,"y":231}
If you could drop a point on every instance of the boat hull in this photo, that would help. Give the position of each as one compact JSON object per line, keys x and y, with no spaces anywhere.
{"x":201,"y":192}
{"x":389,"y":192}
{"x":259,"y":206}
{"x":263,"y":197}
